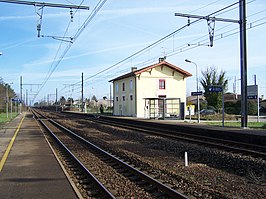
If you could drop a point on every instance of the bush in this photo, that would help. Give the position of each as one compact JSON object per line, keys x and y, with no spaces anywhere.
{"x":252,"y":108}
{"x":232,"y":107}
{"x":235,"y":107}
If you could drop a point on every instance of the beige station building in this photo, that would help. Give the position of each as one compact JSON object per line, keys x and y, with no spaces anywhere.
{"x":157,"y":91}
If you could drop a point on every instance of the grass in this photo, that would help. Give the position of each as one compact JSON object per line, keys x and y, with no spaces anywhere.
{"x":253,"y":125}
{"x":4,"y":119}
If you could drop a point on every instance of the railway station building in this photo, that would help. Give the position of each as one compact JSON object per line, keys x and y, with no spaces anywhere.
{"x":157,"y":91}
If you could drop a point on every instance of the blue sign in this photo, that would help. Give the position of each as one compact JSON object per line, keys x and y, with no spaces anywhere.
{"x":252,"y":92}
{"x":215,"y":89}
{"x":252,"y":97}
{"x":16,"y":100}
{"x":196,"y":93}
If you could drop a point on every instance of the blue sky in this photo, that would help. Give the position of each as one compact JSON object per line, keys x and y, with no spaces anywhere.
{"x":120,"y":29}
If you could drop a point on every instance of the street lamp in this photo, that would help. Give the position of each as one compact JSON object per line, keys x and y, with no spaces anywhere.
{"x":197,"y":81}
{"x":7,"y":98}
{"x":1,"y":53}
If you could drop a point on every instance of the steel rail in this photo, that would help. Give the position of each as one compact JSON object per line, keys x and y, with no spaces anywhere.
{"x":225,"y":144}
{"x":160,"y":186}
{"x":209,"y":141}
{"x":165,"y":189}
{"x":100,"y":186}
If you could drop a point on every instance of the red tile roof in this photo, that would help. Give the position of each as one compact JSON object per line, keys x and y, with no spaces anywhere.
{"x":136,"y":72}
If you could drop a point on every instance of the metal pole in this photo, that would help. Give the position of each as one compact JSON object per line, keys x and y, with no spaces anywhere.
{"x":110,"y":97}
{"x":27,"y":97}
{"x":197,"y":91}
{"x":223,"y":107}
{"x":11,"y":108}
{"x":243,"y":60}
{"x":197,"y":84}
{"x":258,"y":119}
{"x":6,"y":100}
{"x":56,"y":100}
{"x":56,"y":95}
{"x":20,"y":103}
{"x":82,"y":107}
{"x":258,"y":98}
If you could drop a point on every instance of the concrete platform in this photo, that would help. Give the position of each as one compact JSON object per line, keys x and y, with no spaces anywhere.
{"x":30,"y":170}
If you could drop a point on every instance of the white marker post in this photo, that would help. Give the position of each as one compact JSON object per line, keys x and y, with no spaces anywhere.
{"x":186,"y":159}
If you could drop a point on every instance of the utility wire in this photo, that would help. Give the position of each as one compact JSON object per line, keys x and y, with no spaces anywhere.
{"x":84,"y":25}
{"x":185,"y":47}
{"x":222,"y":35}
{"x":156,"y":42}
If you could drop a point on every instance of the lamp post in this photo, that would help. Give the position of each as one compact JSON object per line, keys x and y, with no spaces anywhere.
{"x":197,"y":81}
{"x":7,"y":98}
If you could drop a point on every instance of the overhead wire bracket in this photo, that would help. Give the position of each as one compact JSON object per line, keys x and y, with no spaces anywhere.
{"x":39,"y":13}
{"x":39,"y":9}
{"x":211,"y":26}
{"x":210,"y":22}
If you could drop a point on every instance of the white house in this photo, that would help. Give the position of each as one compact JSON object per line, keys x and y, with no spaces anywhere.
{"x":149,"y":91}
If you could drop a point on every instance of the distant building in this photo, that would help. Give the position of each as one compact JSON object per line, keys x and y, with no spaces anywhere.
{"x":150,"y":91}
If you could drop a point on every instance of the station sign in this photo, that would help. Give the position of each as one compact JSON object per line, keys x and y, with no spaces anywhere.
{"x":215,"y":89}
{"x":196,"y":93}
{"x":16,"y":100}
{"x":252,"y":97}
{"x":252,"y":92}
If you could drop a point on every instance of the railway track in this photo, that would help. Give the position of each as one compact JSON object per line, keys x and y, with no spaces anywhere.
{"x":173,"y":133}
{"x":224,"y":144}
{"x":95,"y":167}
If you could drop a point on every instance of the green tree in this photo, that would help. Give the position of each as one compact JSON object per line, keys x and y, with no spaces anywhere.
{"x":62,"y":100}
{"x":4,"y":88}
{"x":70,"y":100}
{"x":211,"y":77}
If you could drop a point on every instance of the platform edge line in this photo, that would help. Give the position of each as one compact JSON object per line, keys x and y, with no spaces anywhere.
{"x":4,"y":158}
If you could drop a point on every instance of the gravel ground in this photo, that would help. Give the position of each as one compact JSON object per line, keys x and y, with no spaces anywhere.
{"x":211,"y":173}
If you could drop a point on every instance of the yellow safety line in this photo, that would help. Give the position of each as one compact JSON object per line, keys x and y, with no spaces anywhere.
{"x":10,"y":145}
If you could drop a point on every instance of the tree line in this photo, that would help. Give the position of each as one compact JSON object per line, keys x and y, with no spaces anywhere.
{"x":6,"y":92}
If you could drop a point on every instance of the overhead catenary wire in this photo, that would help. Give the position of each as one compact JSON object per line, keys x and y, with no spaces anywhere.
{"x":186,"y":47}
{"x":84,"y":25}
{"x":157,"y":42}
{"x":143,"y":50}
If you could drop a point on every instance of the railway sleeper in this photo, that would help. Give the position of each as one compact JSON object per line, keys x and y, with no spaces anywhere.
{"x":150,"y":188}
{"x":141,"y":182}
{"x":93,"y":193}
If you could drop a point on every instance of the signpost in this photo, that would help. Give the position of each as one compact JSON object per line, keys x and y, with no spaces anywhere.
{"x":252,"y":91}
{"x":196,"y":93}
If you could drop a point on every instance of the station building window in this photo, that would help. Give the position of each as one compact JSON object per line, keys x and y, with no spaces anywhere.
{"x":123,"y":86}
{"x":116,"y":87}
{"x":161,"y":83}
{"x":131,"y":85}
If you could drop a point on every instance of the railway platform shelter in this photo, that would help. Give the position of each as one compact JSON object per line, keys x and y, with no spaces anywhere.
{"x":28,"y":167}
{"x":164,"y":108}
